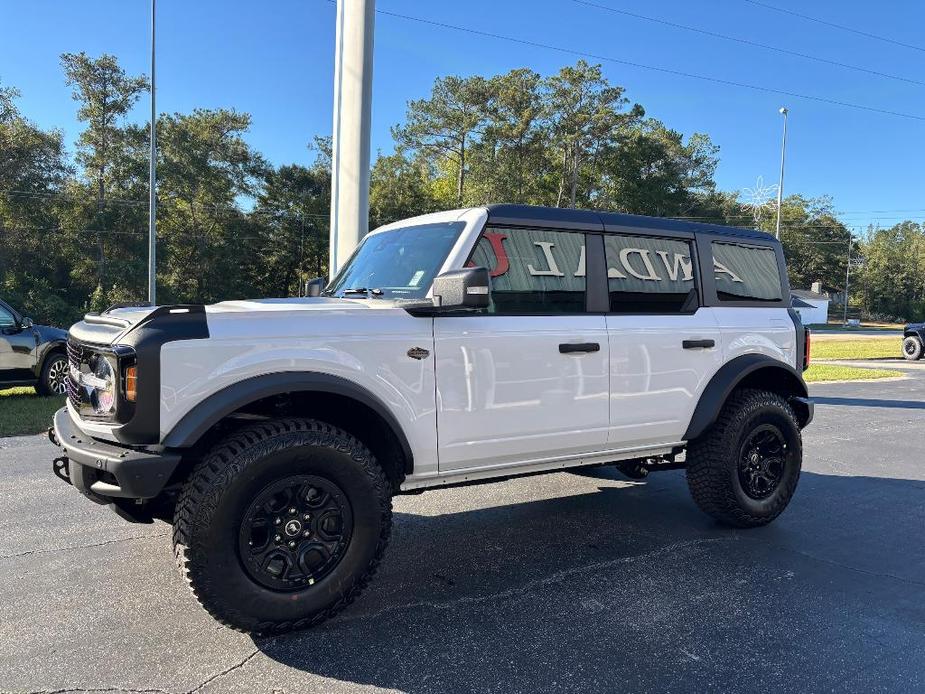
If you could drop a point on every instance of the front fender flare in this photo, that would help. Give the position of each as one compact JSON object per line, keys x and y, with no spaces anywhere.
{"x":217,"y":406}
{"x":787,"y":381}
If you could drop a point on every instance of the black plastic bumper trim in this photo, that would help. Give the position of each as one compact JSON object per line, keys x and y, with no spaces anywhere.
{"x":139,"y":473}
{"x":807,"y":406}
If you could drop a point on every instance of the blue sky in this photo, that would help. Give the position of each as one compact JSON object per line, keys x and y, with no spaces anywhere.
{"x":274,"y":60}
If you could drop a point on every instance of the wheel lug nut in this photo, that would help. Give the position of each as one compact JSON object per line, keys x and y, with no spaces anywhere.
{"x":292,"y":544}
{"x":307,"y":533}
{"x":277,"y":521}
{"x":292,"y":511}
{"x":277,"y":538}
{"x":306,"y":517}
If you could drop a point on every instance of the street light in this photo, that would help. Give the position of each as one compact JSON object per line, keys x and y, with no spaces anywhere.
{"x":780,"y":184}
{"x":152,"y":182}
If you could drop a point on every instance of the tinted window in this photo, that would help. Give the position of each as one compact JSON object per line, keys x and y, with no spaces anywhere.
{"x":746,"y":273}
{"x":532,"y":270}
{"x":401,"y":262}
{"x":649,"y":275}
{"x":6,"y":318}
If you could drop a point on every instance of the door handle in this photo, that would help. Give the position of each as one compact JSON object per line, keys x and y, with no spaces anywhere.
{"x":573,"y":347}
{"x":698,"y":344}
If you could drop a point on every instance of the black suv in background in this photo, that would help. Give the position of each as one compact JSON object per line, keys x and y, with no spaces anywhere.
{"x":31,"y":355}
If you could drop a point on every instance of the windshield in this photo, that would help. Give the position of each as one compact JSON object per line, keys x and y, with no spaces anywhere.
{"x":400,"y":263}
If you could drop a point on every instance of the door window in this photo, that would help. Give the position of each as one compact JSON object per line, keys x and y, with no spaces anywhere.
{"x":533,"y":271}
{"x":6,"y":318}
{"x":648,"y":274}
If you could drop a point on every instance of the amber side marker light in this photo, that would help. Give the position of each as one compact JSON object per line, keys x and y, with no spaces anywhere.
{"x":131,"y":382}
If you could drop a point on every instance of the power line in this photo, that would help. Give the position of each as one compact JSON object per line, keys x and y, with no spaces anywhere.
{"x":842,"y":27}
{"x":654,"y":68}
{"x":748,"y":42}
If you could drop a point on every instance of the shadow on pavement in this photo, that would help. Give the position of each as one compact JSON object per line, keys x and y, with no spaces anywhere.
{"x":632,"y":588}
{"x":870,"y":402}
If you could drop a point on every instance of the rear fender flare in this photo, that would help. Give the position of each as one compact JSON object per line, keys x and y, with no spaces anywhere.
{"x":789,"y":383}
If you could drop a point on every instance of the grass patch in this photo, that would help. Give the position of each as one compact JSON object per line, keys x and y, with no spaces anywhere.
{"x":872,"y":348}
{"x":834,"y":372}
{"x":24,"y":412}
{"x":839,"y":326}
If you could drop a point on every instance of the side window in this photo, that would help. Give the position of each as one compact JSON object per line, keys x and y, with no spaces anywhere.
{"x":533,"y":270}
{"x":649,"y":274}
{"x":746,"y":273}
{"x":6,"y":318}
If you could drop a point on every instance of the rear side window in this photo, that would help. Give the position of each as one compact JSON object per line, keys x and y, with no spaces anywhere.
{"x":746,"y":273}
{"x":533,"y":271}
{"x":649,"y":274}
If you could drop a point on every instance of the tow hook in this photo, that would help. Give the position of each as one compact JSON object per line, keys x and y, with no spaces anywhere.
{"x":61,"y":468}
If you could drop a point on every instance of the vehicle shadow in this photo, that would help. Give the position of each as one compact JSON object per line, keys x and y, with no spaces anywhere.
{"x":632,"y":588}
{"x":869,"y":402}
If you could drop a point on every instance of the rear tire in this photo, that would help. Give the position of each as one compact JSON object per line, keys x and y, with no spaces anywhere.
{"x":912,"y":348}
{"x":282,"y":525}
{"x":744,"y":470}
{"x":52,"y":380}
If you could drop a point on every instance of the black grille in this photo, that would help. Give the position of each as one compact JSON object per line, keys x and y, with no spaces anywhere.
{"x":75,"y":357}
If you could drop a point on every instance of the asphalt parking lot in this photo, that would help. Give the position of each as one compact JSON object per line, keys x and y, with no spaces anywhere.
{"x":568,"y":582}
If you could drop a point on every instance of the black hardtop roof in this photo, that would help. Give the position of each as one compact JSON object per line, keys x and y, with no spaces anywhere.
{"x":590,"y":220}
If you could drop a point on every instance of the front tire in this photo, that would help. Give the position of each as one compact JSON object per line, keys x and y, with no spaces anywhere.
{"x":282,"y":525}
{"x":912,"y":348}
{"x":52,"y":380}
{"x":744,"y":470}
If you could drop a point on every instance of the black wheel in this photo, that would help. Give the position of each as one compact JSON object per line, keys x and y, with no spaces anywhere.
{"x":744,"y":470}
{"x":54,"y":374}
{"x":912,"y":348}
{"x":282,"y":525}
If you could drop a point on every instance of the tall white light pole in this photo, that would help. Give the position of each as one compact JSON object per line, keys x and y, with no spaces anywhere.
{"x":353,"y":86}
{"x":152,"y":180}
{"x":780,"y":184}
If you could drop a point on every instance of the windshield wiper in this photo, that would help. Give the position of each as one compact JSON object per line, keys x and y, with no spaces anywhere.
{"x":369,"y":293}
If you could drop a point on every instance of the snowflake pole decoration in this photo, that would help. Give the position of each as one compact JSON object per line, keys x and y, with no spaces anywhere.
{"x":759,"y":199}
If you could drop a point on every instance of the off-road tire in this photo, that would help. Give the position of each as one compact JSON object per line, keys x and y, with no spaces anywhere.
{"x":912,"y":348}
{"x":53,"y":362}
{"x":713,"y":460}
{"x":211,"y":507}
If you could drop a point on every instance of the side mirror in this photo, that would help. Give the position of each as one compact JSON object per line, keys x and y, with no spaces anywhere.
{"x":26,"y":323}
{"x":314,"y":286}
{"x":466,"y":289}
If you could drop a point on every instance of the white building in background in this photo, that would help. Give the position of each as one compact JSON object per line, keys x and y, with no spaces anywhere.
{"x":812,"y":304}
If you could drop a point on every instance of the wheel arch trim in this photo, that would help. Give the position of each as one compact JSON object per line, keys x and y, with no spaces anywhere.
{"x":207,"y":413}
{"x":728,"y":378}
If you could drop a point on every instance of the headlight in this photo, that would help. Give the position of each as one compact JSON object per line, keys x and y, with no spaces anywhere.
{"x":103,"y":383}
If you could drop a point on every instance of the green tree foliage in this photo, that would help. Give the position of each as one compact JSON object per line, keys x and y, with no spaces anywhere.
{"x":73,"y":237}
{"x":892,"y":280}
{"x":205,"y":165}
{"x":815,"y":242}
{"x":292,"y":220}
{"x":33,"y":271}
{"x":444,"y":125}
{"x":105,"y":94}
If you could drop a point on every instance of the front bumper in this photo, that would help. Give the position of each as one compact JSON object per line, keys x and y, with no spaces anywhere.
{"x":105,"y":471}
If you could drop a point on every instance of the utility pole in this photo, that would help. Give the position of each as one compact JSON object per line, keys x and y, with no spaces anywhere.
{"x":353,"y":86}
{"x":780,"y":184}
{"x":847,"y":276}
{"x":152,"y":181}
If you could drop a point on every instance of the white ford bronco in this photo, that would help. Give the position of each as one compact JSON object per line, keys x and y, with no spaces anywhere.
{"x":452,"y":348}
